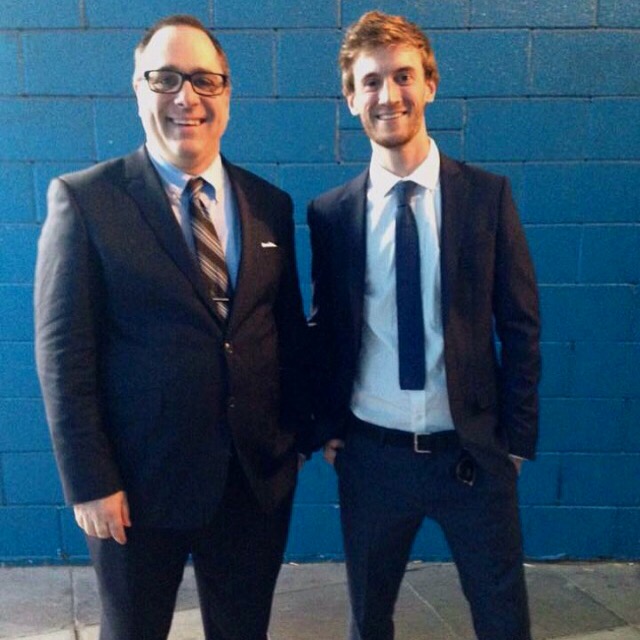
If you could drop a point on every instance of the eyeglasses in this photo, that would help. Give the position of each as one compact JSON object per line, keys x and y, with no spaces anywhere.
{"x":203,"y":82}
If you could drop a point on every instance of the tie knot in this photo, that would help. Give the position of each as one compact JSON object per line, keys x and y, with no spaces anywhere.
{"x":194,"y":187}
{"x":404,"y":190}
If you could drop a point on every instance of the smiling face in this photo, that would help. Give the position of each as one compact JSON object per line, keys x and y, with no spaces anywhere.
{"x":389,"y":95}
{"x":184,"y":128}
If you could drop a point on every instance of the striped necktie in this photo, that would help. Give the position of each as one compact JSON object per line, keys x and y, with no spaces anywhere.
{"x":209,"y":250}
{"x":411,"y":343}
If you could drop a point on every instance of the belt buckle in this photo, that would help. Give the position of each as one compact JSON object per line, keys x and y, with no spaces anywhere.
{"x":416,"y":444}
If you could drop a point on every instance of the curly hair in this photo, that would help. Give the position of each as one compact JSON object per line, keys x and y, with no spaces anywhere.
{"x":377,"y":29}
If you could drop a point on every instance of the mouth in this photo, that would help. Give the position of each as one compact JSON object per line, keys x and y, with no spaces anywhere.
{"x":186,"y":122}
{"x":390,"y":116}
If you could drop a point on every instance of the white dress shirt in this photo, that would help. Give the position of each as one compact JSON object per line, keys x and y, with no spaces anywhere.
{"x":377,"y":397}
{"x":217,"y":197}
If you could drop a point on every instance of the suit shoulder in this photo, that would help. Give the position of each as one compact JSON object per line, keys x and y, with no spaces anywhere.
{"x":329,"y":198}
{"x":107,"y":171}
{"x":472,"y":173}
{"x":328,"y":201}
{"x":100,"y":187}
{"x":255,"y":182}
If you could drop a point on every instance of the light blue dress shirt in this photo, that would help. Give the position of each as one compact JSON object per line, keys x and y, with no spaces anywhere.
{"x":218,"y":200}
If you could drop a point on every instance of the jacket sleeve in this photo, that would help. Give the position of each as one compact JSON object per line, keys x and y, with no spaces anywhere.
{"x":328,"y":412}
{"x":68,"y":298}
{"x":517,"y":317}
{"x":293,"y":344}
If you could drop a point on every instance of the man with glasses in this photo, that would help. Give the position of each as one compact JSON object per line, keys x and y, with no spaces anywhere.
{"x":414,"y":263}
{"x":170,"y":342}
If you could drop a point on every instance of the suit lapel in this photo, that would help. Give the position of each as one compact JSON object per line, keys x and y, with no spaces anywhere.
{"x":246,"y":209}
{"x":455,"y":206}
{"x":352,"y":219}
{"x":145,"y":187}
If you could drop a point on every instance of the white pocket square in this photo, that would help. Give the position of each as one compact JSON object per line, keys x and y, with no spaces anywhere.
{"x":268,"y":245}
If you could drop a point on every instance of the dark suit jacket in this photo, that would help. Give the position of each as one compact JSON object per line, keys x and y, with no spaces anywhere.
{"x":487,"y":281}
{"x":143,"y":389}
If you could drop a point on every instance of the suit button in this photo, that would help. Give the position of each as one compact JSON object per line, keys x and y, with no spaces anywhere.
{"x":228,"y":347}
{"x":231,"y":402}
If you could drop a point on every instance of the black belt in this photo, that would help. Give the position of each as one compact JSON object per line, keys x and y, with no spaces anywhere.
{"x":419,"y":442}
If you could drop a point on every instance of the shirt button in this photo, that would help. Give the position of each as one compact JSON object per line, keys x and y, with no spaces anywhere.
{"x":231,"y":402}
{"x":228,"y":347}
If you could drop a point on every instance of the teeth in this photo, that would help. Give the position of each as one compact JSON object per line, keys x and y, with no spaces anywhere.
{"x":388,"y":116}
{"x":190,"y":123}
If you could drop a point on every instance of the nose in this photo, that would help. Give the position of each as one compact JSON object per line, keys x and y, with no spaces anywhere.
{"x":389,"y":92}
{"x":187,"y":96}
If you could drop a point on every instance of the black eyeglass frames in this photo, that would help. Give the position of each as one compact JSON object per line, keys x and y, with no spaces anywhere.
{"x":204,"y":83}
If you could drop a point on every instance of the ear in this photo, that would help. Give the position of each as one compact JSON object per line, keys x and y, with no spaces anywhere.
{"x":430,"y":91}
{"x":351,"y":103}
{"x":136,"y":78}
{"x":136,"y":83}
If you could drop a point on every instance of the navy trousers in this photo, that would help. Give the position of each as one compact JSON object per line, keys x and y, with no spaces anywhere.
{"x":236,"y":558}
{"x":386,"y":491}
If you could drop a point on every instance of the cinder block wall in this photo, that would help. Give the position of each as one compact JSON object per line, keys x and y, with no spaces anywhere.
{"x":543,"y":91}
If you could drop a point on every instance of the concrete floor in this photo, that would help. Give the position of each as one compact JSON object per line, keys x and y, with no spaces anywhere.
{"x":572,"y":601}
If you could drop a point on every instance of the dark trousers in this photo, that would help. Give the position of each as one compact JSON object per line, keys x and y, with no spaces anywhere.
{"x":385,"y":493}
{"x":236,"y":559}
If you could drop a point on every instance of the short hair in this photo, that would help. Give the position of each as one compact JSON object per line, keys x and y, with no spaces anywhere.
{"x":377,"y":29}
{"x":181,"y":20}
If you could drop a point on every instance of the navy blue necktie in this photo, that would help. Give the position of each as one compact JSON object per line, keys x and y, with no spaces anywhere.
{"x":411,"y":348}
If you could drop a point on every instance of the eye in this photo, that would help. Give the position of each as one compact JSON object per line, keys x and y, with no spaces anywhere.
{"x":165,"y":80}
{"x":204,"y":82}
{"x":404,"y":78}
{"x":371,"y":83}
{"x":208,"y":84}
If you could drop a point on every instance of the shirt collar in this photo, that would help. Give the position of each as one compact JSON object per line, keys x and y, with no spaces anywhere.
{"x":176,"y":180}
{"x":426,"y":174}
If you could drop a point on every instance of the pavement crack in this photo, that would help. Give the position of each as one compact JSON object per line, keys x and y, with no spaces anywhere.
{"x":593,"y":599}
{"x":432,"y":609}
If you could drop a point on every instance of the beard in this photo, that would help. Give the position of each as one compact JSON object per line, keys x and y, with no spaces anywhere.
{"x":385,"y":136}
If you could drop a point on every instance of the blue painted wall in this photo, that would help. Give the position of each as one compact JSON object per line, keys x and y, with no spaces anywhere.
{"x":545,"y":92}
